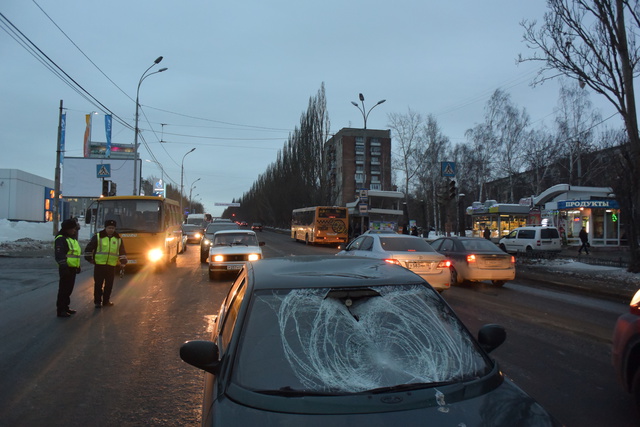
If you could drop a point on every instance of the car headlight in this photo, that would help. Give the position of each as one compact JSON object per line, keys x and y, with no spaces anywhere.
{"x":218,"y":258}
{"x":207,"y":241}
{"x":155,"y":255}
{"x":254,"y":257}
{"x":197,"y":235}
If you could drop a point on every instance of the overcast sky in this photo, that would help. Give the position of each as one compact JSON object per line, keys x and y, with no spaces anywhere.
{"x":240,"y":74}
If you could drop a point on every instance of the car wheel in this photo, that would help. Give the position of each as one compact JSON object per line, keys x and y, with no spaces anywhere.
{"x":203,"y":257}
{"x":529,"y":251}
{"x":503,"y":247}
{"x":213,"y":275}
{"x":498,"y":283}
{"x":635,"y":389}
{"x":454,"y":277}
{"x":306,"y":239}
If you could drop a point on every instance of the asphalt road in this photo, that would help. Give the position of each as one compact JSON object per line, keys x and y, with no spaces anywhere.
{"x":119,"y":366}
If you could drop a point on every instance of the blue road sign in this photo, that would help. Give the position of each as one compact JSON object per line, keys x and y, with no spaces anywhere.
{"x":448,"y":169}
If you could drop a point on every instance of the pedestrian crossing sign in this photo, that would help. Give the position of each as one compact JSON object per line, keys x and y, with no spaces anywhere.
{"x":103,"y":171}
{"x":448,"y":169}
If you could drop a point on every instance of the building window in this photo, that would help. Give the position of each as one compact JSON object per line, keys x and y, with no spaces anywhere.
{"x":375,"y":186}
{"x":359,"y":148}
{"x":359,"y":158}
{"x":359,"y":141}
{"x":376,"y":151}
{"x":359,"y":178}
{"x":374,"y":141}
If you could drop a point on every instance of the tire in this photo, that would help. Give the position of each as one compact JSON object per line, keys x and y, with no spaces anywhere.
{"x":213,"y":275}
{"x":498,"y":283}
{"x":203,"y":258}
{"x":455,"y":279}
{"x":306,"y":239}
{"x":529,"y":251}
{"x":635,"y":389}
{"x":503,"y":247}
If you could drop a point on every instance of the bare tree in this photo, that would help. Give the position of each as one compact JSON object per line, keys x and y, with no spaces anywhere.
{"x":595,"y":43}
{"x":407,"y":140}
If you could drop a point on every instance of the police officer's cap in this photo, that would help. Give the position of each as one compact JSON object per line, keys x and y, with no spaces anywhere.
{"x":68,"y":224}
{"x":109,"y":222}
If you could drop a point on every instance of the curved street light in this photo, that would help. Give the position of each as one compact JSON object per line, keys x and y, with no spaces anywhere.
{"x":137,"y":129}
{"x":191,"y":192}
{"x":182,"y":178}
{"x":362,"y":109}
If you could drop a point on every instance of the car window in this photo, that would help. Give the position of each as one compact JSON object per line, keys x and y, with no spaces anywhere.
{"x":446,"y":245}
{"x":319,"y":340}
{"x":527,"y":234}
{"x":512,"y":235}
{"x":367,"y":244}
{"x":405,"y":244}
{"x":549,"y":233}
{"x":355,"y":245}
{"x":478,"y":245}
{"x":231,"y":313}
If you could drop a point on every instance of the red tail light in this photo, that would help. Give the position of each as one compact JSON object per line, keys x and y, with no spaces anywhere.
{"x":471,"y":259}
{"x":444,"y":264}
{"x":513,"y":259}
{"x":634,"y":306}
{"x":392,"y":261}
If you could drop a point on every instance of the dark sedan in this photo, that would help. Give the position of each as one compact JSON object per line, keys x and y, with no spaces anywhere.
{"x":476,"y":259}
{"x":625,"y":352}
{"x":193,"y":232}
{"x":344,"y":341}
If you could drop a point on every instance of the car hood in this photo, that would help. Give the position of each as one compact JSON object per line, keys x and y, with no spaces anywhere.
{"x":506,"y":405}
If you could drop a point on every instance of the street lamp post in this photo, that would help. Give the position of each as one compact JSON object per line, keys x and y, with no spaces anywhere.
{"x":135,"y":137}
{"x":365,"y":115}
{"x":190,"y":192}
{"x":182,"y":179}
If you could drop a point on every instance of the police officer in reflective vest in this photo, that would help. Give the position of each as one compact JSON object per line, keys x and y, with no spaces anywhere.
{"x":67,"y":255}
{"x":105,"y":250}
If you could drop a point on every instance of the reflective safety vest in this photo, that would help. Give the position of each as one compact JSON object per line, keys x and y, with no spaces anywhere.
{"x":107,"y":250}
{"x":73,"y":254}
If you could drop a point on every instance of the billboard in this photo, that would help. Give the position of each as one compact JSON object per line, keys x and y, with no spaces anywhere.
{"x":80,"y":176}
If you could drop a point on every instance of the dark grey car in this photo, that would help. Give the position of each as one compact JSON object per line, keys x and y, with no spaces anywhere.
{"x":319,"y":341}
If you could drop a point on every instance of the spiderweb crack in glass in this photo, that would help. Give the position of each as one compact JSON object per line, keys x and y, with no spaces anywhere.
{"x":404,"y":336}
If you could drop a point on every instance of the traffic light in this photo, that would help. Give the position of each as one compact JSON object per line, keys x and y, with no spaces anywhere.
{"x":112,"y":188}
{"x":105,"y":188}
{"x":452,"y":190}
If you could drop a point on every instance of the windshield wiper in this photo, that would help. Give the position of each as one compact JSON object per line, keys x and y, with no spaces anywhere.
{"x":405,"y":387}
{"x":290,"y":392}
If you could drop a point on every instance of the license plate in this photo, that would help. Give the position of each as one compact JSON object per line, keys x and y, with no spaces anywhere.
{"x":417,"y":264}
{"x":132,"y":261}
{"x":234,"y":267}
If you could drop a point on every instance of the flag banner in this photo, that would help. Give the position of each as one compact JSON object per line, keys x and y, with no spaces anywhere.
{"x":63,"y":125}
{"x":87,"y":136}
{"x":107,"y":128}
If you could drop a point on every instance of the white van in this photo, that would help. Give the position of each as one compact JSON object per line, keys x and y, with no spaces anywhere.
{"x":198,"y":219}
{"x":531,"y":239}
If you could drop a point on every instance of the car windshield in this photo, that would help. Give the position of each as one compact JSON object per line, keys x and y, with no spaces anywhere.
{"x":213,"y":228}
{"x":235,"y":239}
{"x":479,"y":245}
{"x":191,"y":227}
{"x":405,"y":244}
{"x":346,"y":341}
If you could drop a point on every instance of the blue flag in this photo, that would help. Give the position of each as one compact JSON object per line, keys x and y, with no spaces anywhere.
{"x":63,"y":125}
{"x":107,"y":128}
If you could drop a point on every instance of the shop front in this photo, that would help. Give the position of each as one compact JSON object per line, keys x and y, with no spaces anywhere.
{"x":601,"y":219}
{"x":500,"y":219}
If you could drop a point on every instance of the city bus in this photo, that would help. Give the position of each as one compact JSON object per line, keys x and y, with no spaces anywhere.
{"x":149,"y":227}
{"x":320,"y":224}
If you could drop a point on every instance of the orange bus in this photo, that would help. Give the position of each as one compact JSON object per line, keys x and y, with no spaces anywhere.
{"x":320,"y":224}
{"x":149,"y":227}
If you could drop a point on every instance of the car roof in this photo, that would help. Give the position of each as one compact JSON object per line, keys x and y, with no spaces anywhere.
{"x":326,"y":271}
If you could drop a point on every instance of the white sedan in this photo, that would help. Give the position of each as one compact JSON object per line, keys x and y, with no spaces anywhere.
{"x":231,"y":249}
{"x":410,"y":252}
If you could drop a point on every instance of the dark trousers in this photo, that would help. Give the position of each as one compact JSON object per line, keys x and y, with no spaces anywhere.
{"x":585,"y":246}
{"x":103,"y":274}
{"x":65,"y":288}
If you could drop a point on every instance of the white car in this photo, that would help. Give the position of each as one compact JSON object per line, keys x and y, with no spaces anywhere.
{"x":531,"y":239}
{"x":231,"y":249}
{"x":411,"y":252}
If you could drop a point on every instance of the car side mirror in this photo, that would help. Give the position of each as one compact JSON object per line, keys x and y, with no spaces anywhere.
{"x":201,"y":354}
{"x":491,"y":337}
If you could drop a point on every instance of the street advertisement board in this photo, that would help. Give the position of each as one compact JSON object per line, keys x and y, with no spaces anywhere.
{"x":80,"y":176}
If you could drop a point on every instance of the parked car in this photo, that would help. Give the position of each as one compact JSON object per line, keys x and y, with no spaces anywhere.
{"x":193,"y":232}
{"x":256,"y":226}
{"x":207,"y":239}
{"x":531,"y":239}
{"x":321,"y":340}
{"x":625,"y":353}
{"x":231,"y":249}
{"x":476,"y":259}
{"x":411,"y":252}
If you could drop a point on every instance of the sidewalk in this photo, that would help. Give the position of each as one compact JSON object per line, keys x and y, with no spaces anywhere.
{"x":602,"y":273}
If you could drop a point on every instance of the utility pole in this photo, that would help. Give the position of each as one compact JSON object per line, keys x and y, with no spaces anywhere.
{"x":56,"y":188}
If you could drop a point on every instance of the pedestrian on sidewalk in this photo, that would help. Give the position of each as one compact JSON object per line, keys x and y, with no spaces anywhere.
{"x":584,"y":238}
{"x":67,"y":253}
{"x":105,"y":250}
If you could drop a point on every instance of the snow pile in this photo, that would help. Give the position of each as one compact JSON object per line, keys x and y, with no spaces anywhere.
{"x":31,"y":237}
